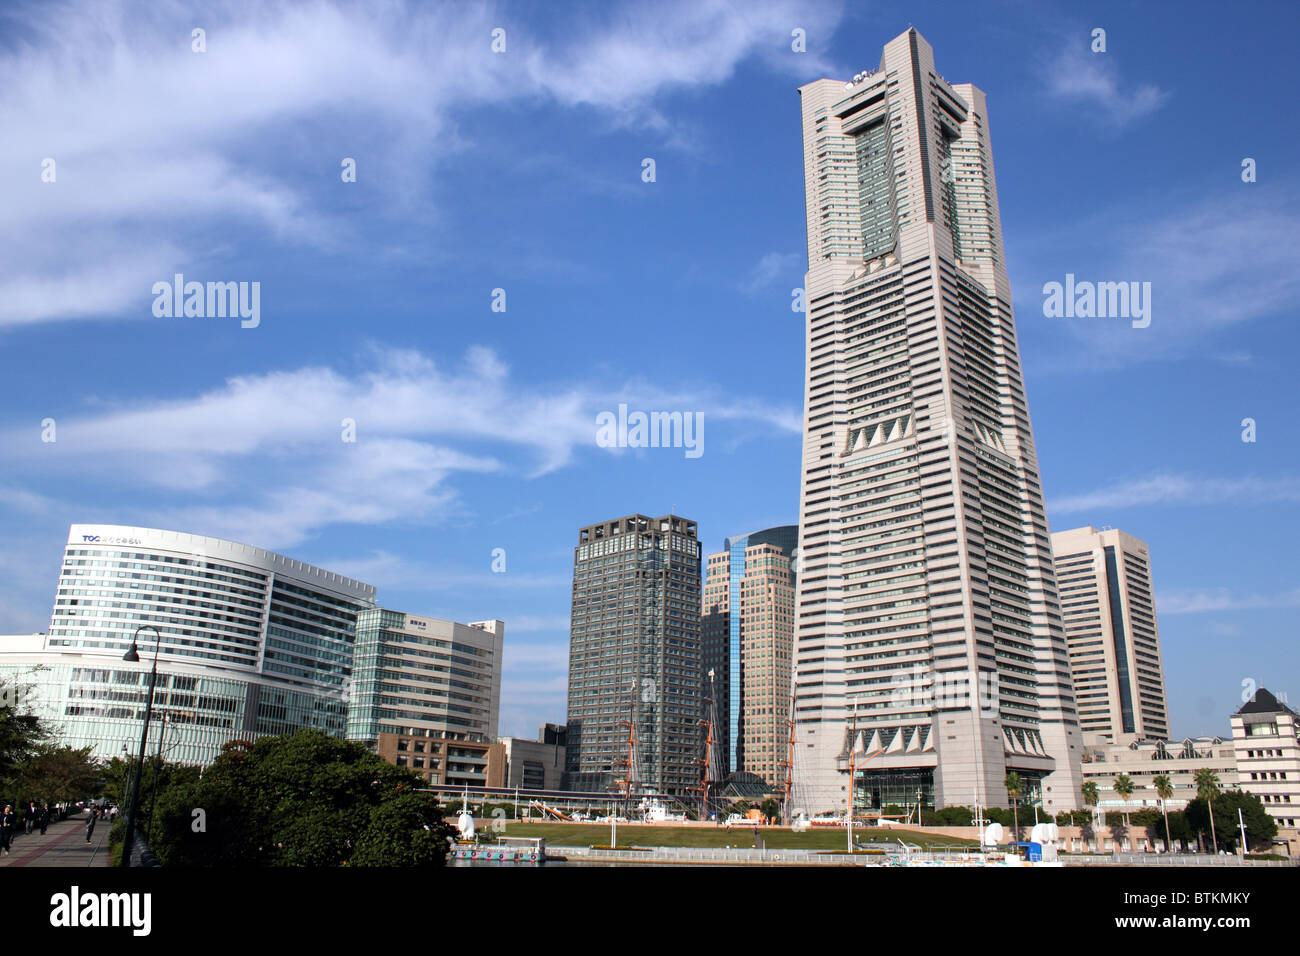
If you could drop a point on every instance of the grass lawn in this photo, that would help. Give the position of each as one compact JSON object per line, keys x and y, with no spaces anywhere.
{"x":775,"y":838}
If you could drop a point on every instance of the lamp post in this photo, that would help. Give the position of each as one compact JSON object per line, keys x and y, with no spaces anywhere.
{"x":153,"y":792}
{"x":133,"y":656}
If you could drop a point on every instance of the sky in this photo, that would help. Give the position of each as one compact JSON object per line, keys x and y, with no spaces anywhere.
{"x":504,"y":268}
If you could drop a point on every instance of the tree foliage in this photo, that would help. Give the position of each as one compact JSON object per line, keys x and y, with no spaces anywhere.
{"x":59,"y":773}
{"x":1261,"y":828}
{"x":302,"y":800}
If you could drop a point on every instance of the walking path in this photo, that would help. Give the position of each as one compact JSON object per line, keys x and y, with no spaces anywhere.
{"x":63,"y":845}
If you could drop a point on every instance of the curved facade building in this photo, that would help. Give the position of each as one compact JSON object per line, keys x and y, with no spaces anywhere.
{"x":252,"y":643}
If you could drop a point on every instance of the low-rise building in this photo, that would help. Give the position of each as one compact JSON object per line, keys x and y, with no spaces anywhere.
{"x":536,"y":764}
{"x":445,"y":760}
{"x":1143,"y":760}
{"x":1266,"y":738}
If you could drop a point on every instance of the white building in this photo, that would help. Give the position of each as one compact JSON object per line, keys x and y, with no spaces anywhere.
{"x":248,"y":643}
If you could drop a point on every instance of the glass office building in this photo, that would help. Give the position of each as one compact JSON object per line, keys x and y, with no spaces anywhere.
{"x":252,"y":643}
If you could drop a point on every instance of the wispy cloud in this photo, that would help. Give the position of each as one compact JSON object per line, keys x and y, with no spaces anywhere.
{"x":1180,"y":489}
{"x":1222,"y":599}
{"x":264,"y":457}
{"x":1093,"y":81}
{"x":772,"y":267}
{"x":156,"y":146}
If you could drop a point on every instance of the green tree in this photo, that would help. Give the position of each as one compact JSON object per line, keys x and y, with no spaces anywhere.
{"x":1089,"y":791}
{"x":1207,"y":788}
{"x":1164,"y":790}
{"x":1014,"y":787}
{"x":59,"y":774}
{"x":955,"y":816}
{"x":771,"y":807}
{"x":1124,"y":790}
{"x":302,"y":800}
{"x":1221,"y":813}
{"x":21,"y":733}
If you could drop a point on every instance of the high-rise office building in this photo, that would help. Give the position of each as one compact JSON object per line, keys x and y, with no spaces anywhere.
{"x":420,"y":676}
{"x":248,"y":643}
{"x":929,"y":651}
{"x":748,"y":625}
{"x":1109,"y":612}
{"x":634,"y":657}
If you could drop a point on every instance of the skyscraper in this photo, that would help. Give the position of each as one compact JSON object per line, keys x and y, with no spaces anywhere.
{"x":634,"y":657}
{"x":1109,"y":613}
{"x":748,"y":621}
{"x":929,"y":649}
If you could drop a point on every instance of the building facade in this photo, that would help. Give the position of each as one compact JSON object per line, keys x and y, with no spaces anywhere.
{"x":1108,"y":609}
{"x":748,"y":624}
{"x":421,"y":676}
{"x":251,"y":643}
{"x":635,"y":657}
{"x":1143,"y":760}
{"x":1266,"y":737}
{"x":930,"y":656}
{"x":445,"y":760}
{"x":536,"y":764}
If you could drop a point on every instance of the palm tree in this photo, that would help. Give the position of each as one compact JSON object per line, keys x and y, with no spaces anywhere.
{"x":1124,"y":789}
{"x":1090,"y":797}
{"x":1164,"y":790}
{"x":1013,"y":785}
{"x":1207,"y":788}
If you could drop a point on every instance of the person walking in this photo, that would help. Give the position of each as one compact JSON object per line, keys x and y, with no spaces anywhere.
{"x":29,"y":820}
{"x":90,"y":824}
{"x":7,"y":823}
{"x":45,"y":818}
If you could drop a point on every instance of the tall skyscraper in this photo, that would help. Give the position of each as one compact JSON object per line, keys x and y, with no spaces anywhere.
{"x":748,"y":622}
{"x":1109,"y":612}
{"x":929,"y":650}
{"x":634,"y":657}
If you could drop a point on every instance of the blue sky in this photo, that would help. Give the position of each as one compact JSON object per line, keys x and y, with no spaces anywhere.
{"x":522,"y":171}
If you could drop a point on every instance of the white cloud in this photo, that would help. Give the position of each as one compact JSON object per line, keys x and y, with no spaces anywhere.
{"x":769,"y":269}
{"x":1093,"y":80}
{"x":1221,"y":599}
{"x":1179,"y":489}
{"x":262,"y":457}
{"x":160,"y":151}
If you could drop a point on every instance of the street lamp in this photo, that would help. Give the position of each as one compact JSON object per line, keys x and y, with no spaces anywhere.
{"x":133,"y":656}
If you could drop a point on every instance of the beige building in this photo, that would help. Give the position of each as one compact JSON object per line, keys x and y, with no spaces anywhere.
{"x":1104,"y":580}
{"x":929,"y":641}
{"x":748,"y":625}
{"x":450,"y":760}
{"x":1266,"y":736}
{"x":1144,"y":760}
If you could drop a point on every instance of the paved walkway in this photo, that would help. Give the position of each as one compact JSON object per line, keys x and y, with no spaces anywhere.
{"x":64,"y":844}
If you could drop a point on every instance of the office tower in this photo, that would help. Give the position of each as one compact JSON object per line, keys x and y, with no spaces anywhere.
{"x":423,"y":677}
{"x":929,"y":649}
{"x":748,"y":623}
{"x":1109,"y":612}
{"x":634,"y":658}
{"x":248,"y":643}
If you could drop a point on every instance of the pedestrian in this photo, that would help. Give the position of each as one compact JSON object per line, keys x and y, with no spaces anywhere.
{"x":7,"y":823}
{"x":90,"y":825}
{"x":30,"y":816}
{"x":45,"y":818}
